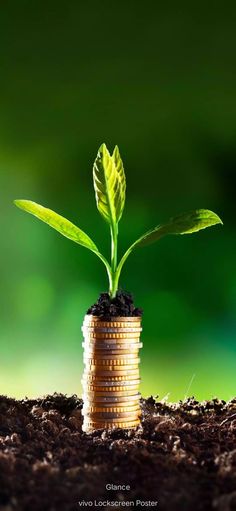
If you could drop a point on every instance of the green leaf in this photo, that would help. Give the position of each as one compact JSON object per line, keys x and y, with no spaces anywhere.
{"x":121,"y":189}
{"x":109,"y":184}
{"x":58,"y":222}
{"x":185,"y":223}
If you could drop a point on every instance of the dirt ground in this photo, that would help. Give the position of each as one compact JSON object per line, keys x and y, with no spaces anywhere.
{"x":120,"y":306}
{"x":182,"y":457}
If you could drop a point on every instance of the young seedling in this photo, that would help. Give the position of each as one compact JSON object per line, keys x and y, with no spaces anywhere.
{"x":111,"y":345}
{"x":110,"y":191}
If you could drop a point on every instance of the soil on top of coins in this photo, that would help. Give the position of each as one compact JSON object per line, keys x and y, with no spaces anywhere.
{"x":121,"y":305}
{"x":182,"y":456}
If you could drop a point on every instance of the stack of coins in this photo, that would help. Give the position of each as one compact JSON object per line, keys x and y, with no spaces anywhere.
{"x":111,"y":374}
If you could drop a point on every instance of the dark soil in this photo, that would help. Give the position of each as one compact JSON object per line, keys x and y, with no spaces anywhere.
{"x":182,"y":455}
{"x":121,"y":305}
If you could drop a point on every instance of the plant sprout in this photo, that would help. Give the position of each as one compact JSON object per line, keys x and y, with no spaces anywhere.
{"x":110,"y":192}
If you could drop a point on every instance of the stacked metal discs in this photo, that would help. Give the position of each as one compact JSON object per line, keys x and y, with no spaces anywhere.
{"x":111,"y":374}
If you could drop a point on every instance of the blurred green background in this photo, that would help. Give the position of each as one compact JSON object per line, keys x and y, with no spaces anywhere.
{"x":158,"y":80}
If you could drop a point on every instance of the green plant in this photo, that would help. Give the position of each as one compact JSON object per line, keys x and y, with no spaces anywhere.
{"x":110,"y":190}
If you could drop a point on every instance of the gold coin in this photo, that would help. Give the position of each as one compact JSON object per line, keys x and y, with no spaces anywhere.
{"x":112,"y":409}
{"x":113,"y":400}
{"x":112,"y":342}
{"x":114,"y":365}
{"x":87,"y":334}
{"x":110,"y":365}
{"x":115,"y":337}
{"x":110,"y":383}
{"x":119,"y":322}
{"x":122,"y":417}
{"x":108,"y":378}
{"x":111,"y":353}
{"x":113,"y":390}
{"x":97,"y":384}
{"x":121,"y":370}
{"x":109,"y":371}
{"x":112,"y":370}
{"x":103,"y":364}
{"x":110,"y":400}
{"x":129,"y":385}
{"x":111,"y":324}
{"x":112,"y":335}
{"x":99,"y":362}
{"x":114,"y":349}
{"x":92,"y":397}
{"x":115,"y":420}
{"x":130,"y":327}
{"x":99,"y":319}
{"x":115,"y":346}
{"x":109,"y":374}
{"x":104,"y":387}
{"x":112,"y":416}
{"x":96,"y":395}
{"x":101,"y":356}
{"x":91,"y":426}
{"x":118,"y":388}
{"x":111,"y":349}
{"x":108,"y":423}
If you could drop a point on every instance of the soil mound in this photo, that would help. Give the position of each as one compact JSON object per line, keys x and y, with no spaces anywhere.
{"x":121,"y":305}
{"x":182,"y":455}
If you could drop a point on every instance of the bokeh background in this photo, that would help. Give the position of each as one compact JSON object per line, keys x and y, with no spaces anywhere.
{"x":158,"y":80}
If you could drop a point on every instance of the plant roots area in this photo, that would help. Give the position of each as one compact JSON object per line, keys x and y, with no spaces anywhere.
{"x":122,"y":305}
{"x":181,"y":457}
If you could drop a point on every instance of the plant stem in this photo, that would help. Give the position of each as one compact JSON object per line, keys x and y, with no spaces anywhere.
{"x":114,"y":239}
{"x":120,"y":266}
{"x":114,"y":235}
{"x":114,"y":288}
{"x":108,"y":268}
